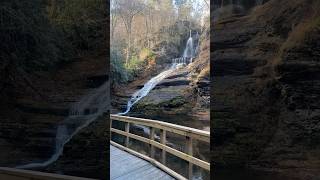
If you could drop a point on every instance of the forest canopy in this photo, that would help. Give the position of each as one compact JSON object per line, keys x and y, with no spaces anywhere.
{"x":138,"y":27}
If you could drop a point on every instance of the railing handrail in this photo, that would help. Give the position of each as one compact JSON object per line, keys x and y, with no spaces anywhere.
{"x":13,"y":173}
{"x":189,"y":133}
{"x":181,"y":130}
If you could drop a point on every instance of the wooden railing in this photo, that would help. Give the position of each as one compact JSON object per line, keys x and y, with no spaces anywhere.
{"x":20,"y":174}
{"x":191,"y":134}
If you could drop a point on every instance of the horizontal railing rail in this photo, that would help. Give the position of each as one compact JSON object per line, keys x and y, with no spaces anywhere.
{"x":20,"y":174}
{"x":191,"y":134}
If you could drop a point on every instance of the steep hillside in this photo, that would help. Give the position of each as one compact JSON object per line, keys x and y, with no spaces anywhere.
{"x":184,"y":92}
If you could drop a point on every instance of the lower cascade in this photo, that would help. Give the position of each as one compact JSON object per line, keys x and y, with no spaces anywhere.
{"x":81,"y":114}
{"x":148,"y":87}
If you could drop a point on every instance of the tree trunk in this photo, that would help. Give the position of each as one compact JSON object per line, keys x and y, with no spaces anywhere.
{"x":113,"y":25}
{"x":129,"y":44}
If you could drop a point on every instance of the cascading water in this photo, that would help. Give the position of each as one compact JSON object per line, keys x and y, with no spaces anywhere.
{"x":82,"y":113}
{"x":148,"y":87}
{"x":189,"y":50}
{"x":188,"y":53}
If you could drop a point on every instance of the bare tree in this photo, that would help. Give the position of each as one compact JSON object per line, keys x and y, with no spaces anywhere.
{"x":149,"y":7}
{"x":113,"y":17}
{"x":127,"y":10}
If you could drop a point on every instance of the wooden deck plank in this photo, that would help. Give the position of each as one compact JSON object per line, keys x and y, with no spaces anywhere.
{"x":141,"y":172}
{"x":125,"y":166}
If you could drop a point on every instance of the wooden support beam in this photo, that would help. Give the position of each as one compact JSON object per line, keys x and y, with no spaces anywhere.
{"x":110,"y":127}
{"x":163,"y":135}
{"x":152,"y":149}
{"x":127,"y":129}
{"x":190,"y":152}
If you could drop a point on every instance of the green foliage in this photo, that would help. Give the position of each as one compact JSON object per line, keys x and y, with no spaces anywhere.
{"x":134,"y":63}
{"x":122,"y":72}
{"x":138,"y":62}
{"x":146,"y":53}
{"x":119,"y":73}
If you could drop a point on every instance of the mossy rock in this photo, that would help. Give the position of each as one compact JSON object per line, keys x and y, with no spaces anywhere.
{"x":175,"y":102}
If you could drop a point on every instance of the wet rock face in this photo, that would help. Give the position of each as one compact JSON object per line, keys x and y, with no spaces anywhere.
{"x":266,"y":87}
{"x":172,"y":95}
{"x":30,"y":114}
{"x":86,"y":155}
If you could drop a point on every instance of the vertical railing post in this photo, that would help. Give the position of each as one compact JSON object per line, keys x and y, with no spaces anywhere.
{"x":190,"y":152}
{"x":127,"y":128}
{"x":152,"y":132}
{"x":110,"y":135}
{"x":163,"y":141}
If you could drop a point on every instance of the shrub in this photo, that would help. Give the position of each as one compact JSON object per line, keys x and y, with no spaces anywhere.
{"x":119,"y":73}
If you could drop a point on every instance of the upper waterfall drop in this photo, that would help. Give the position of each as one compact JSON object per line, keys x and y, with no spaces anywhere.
{"x":189,"y":50}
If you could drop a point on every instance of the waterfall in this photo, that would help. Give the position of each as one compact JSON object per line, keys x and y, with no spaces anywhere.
{"x":189,"y":50}
{"x":176,"y":63}
{"x":148,"y":87}
{"x":82,"y":113}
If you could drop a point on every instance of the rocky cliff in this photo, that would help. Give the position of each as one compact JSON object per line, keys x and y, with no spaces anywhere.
{"x":32,"y":106}
{"x":265,"y":96}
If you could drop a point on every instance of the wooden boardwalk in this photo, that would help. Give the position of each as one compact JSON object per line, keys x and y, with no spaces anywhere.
{"x":126,"y":166}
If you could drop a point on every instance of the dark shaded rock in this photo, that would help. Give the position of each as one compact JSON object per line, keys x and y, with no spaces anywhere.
{"x":96,"y":81}
{"x":43,"y":110}
{"x":173,"y":83}
{"x":94,"y":162}
{"x":266,"y":88}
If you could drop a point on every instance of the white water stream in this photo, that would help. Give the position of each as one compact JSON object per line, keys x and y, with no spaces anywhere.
{"x":148,"y":87}
{"x":82,"y":113}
